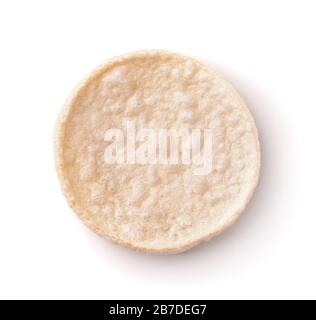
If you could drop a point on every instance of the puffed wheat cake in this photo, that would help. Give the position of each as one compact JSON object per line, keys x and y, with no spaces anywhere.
{"x":153,"y":207}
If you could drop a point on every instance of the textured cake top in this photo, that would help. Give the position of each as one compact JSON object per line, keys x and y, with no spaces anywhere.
{"x":155,"y":206}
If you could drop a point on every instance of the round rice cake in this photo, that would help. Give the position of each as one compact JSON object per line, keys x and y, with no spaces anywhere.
{"x":153,"y":206}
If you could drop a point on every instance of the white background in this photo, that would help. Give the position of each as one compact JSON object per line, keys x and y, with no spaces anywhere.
{"x":267,"y":49}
